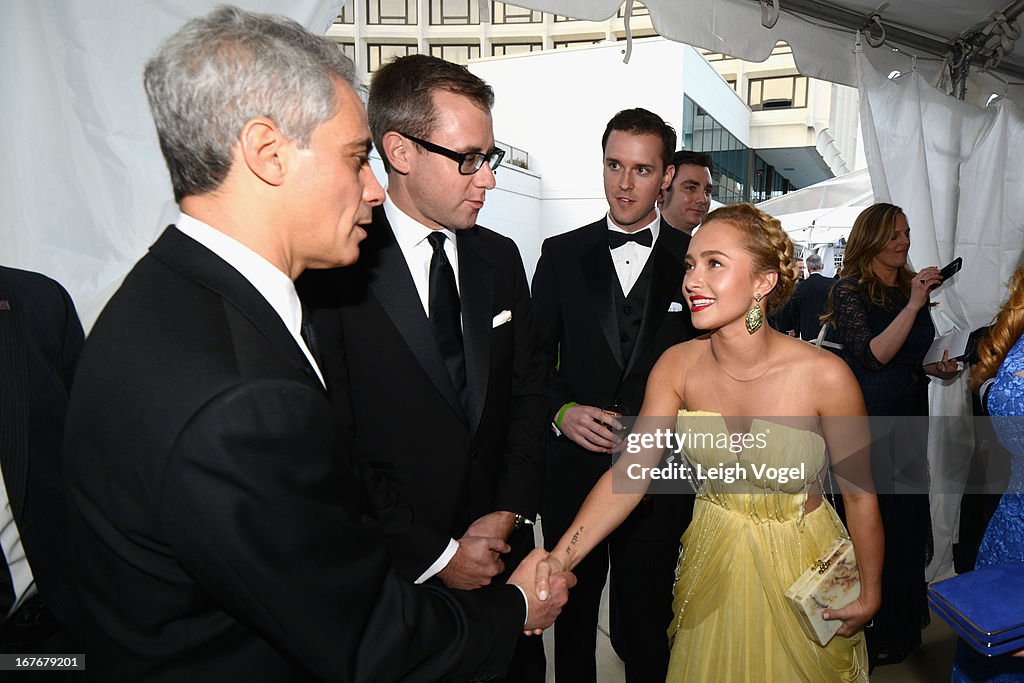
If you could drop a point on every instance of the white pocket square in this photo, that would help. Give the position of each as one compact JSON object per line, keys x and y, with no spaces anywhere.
{"x":675,"y":307}
{"x":501,"y":319}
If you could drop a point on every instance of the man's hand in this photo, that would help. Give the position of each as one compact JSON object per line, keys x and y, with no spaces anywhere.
{"x":586,"y":425}
{"x":498,"y":524}
{"x":542,"y":613}
{"x":475,"y":563}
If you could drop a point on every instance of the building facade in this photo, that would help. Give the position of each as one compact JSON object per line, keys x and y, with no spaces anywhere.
{"x":558,"y":80}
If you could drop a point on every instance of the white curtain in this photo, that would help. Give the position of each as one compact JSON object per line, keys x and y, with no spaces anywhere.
{"x":946,"y":163}
{"x":83,"y":188}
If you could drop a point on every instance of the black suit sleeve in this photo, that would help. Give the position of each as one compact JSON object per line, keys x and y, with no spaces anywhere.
{"x":522,"y":478}
{"x":548,"y":316}
{"x":414,"y":546}
{"x":277,"y":540}
{"x":793,"y":307}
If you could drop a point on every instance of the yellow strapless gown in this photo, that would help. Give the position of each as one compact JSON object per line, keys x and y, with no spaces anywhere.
{"x":748,"y":542}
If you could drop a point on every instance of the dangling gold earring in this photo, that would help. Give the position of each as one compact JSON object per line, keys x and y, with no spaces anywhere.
{"x":755,"y":316}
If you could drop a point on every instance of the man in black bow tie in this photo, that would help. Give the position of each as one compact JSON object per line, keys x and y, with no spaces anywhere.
{"x":608,"y":302}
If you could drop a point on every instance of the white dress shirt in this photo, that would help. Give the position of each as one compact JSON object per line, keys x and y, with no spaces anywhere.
{"x":630,"y":258}
{"x":276,"y":287}
{"x":21,"y":574}
{"x":411,"y":236}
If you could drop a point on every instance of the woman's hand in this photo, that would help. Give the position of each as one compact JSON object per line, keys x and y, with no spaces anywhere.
{"x":547,"y":567}
{"x":947,"y":368}
{"x":923,"y":283}
{"x":853,"y":616}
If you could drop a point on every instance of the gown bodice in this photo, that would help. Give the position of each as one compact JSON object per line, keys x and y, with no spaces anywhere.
{"x":775,"y":459}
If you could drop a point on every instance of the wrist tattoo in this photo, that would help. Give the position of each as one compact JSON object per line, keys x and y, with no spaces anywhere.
{"x":575,"y":539}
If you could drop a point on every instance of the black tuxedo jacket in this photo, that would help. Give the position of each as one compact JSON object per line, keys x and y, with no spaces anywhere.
{"x":40,"y":341}
{"x":807,"y":305}
{"x":453,"y":464}
{"x":217,"y":514}
{"x":574,"y":300}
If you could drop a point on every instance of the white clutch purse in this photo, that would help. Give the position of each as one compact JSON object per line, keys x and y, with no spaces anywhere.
{"x":830,"y":583}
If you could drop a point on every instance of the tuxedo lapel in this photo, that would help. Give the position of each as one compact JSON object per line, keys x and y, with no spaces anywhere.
{"x":599,"y":274}
{"x":666,"y":280}
{"x":14,"y":400}
{"x":392,"y":285}
{"x":191,"y":258}
{"x":476,"y":291}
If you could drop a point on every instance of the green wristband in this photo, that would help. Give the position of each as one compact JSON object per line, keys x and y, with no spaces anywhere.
{"x":561,"y":414}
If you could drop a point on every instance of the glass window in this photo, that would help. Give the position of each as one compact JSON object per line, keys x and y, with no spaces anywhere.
{"x":559,"y":44}
{"x":559,"y":18}
{"x":347,"y":15}
{"x":754,"y":100}
{"x":779,"y":92}
{"x":391,"y":12}
{"x":714,"y":56}
{"x":460,"y":54}
{"x":639,"y":10}
{"x":508,"y":14}
{"x":800,"y":97}
{"x":501,"y":49}
{"x":349,"y":49}
{"x":381,"y":53}
{"x":454,"y":12}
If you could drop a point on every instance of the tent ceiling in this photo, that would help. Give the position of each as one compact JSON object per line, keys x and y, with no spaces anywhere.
{"x":821,"y":32}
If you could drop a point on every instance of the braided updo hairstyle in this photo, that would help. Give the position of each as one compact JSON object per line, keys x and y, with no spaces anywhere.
{"x":769,"y":247}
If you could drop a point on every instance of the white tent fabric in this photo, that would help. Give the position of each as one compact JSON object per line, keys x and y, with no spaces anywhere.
{"x":945,"y":162}
{"x":823,"y":213}
{"x":83,"y":188}
{"x":822,"y":51}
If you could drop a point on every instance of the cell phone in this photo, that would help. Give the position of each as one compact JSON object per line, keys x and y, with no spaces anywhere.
{"x":952,"y":269}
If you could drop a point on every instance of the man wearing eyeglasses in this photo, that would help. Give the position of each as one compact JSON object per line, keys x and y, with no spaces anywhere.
{"x":446,"y":384}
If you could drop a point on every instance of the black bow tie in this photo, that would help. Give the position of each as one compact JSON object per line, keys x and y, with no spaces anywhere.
{"x":643,"y":237}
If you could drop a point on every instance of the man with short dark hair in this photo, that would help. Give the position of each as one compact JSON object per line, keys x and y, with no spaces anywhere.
{"x":445,"y":378}
{"x":608,"y":301}
{"x":688,"y":196}
{"x":218,"y":512}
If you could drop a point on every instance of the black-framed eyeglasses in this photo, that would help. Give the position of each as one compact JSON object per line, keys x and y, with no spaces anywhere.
{"x":469,"y":162}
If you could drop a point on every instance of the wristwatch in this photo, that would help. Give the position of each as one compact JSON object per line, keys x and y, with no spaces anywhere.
{"x":522,"y":521}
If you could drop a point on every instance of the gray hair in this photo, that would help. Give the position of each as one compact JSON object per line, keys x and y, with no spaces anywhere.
{"x":814,"y":263}
{"x":219,"y":71}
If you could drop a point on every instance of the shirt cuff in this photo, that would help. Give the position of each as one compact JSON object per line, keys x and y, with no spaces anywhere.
{"x":526,"y":604}
{"x":441,"y":562}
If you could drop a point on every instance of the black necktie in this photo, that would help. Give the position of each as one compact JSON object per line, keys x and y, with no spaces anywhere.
{"x":445,"y":312}
{"x":306,"y":332}
{"x":616,"y":239}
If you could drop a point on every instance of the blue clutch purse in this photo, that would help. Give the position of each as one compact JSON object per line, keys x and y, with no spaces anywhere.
{"x":985,"y":607}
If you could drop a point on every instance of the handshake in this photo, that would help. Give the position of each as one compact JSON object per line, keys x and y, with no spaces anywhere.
{"x":546,"y":585}
{"x":478,"y":560}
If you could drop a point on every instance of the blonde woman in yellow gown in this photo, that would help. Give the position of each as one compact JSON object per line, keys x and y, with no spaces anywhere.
{"x":751,"y":539}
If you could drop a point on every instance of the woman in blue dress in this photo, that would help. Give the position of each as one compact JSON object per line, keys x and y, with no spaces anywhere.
{"x":1000,"y":377}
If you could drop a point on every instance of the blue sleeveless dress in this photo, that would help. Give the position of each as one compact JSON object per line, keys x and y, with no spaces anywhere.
{"x":1004,"y":538}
